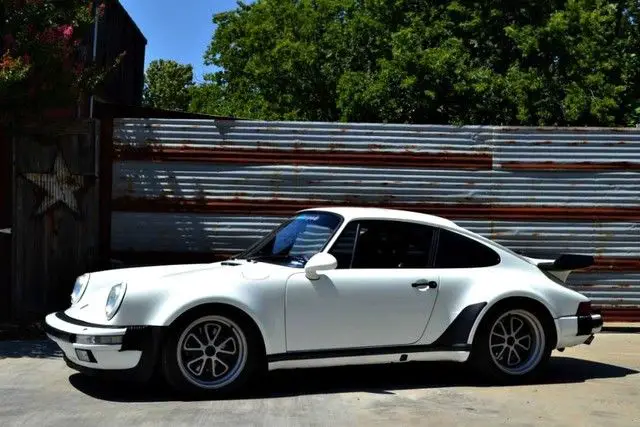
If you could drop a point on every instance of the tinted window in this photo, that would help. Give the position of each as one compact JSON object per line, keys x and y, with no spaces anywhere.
{"x":457,"y":251}
{"x":296,"y":240}
{"x":342,"y":249}
{"x":383,"y":244}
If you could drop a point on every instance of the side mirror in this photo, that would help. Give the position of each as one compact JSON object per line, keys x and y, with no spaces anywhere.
{"x":319,"y":262}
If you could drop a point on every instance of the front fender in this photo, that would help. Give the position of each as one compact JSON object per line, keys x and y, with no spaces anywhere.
{"x":162,"y":305}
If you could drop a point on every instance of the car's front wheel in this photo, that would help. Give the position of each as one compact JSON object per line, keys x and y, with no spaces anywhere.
{"x":512,"y":345}
{"x":215,"y":353}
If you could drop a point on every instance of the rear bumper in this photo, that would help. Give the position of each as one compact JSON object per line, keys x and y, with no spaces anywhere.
{"x":590,"y":324}
{"x":575,"y":330}
{"x":128,"y":352}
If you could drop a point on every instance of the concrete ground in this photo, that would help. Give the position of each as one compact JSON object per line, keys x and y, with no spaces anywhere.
{"x":586,"y":386}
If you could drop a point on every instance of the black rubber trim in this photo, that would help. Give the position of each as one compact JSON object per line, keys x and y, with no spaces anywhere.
{"x":458,"y":331}
{"x":135,"y":337}
{"x":586,"y":324}
{"x":64,"y":336}
{"x":361,"y":351}
{"x":454,"y":338}
{"x":60,"y":315}
{"x":141,"y":337}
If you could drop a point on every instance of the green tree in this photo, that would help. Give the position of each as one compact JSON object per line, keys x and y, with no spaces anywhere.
{"x":504,"y":62}
{"x":168,"y":85}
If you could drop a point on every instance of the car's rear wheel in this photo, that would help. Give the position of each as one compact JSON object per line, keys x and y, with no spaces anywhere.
{"x":512,"y":345}
{"x":213,"y":353}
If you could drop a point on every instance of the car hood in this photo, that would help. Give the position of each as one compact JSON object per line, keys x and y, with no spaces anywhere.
{"x":248,"y":270}
{"x":146,"y":280}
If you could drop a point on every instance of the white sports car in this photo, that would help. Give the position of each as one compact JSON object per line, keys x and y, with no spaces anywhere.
{"x":330,"y":286}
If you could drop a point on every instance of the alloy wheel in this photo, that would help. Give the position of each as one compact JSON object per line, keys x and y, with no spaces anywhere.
{"x":517,"y":342}
{"x":212,"y":352}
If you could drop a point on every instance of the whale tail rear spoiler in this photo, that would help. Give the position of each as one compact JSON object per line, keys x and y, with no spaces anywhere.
{"x":564,"y":265}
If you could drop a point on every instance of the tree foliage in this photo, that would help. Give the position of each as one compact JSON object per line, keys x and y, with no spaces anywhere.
{"x":168,"y":84}
{"x":45,"y":63}
{"x":528,"y":62}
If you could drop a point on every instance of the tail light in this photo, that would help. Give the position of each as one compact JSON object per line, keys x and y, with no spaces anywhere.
{"x":584,"y":309}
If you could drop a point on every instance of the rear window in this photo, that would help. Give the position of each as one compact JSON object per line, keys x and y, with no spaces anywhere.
{"x":457,"y":251}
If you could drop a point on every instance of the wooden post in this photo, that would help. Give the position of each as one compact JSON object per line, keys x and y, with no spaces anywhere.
{"x":55,"y":215}
{"x":6,"y":196}
{"x":106,"y":176}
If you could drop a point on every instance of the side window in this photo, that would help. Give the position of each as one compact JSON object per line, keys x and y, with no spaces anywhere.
{"x":342,"y":249}
{"x":457,"y":251}
{"x":383,"y":244}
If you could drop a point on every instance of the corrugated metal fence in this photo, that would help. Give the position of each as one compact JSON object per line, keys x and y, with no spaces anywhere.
{"x":203,"y":187}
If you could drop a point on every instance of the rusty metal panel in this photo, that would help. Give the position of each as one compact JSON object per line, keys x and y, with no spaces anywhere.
{"x":361,"y":184}
{"x":567,"y":149}
{"x":213,"y":186}
{"x":608,"y":290}
{"x":212,"y":181}
{"x":550,"y":238}
{"x":196,"y":233}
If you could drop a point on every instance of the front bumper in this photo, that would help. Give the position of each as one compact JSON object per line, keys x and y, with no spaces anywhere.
{"x":575,"y":330}
{"x":114,"y":350}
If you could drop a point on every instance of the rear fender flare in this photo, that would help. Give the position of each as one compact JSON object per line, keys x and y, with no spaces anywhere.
{"x":513,"y":298}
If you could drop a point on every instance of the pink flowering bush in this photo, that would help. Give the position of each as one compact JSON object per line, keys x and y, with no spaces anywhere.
{"x":45,"y":57}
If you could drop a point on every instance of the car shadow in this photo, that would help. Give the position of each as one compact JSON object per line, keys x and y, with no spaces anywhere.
{"x":378,"y":379}
{"x":33,"y":349}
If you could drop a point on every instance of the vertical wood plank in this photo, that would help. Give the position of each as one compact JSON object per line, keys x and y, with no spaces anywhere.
{"x":6,"y":209}
{"x":56,"y":227}
{"x":105,"y":189}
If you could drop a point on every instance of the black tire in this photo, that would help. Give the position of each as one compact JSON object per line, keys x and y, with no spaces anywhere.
{"x":497,"y":367}
{"x":178,"y":364}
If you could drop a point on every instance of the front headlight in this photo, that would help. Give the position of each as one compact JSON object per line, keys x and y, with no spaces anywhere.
{"x":79,"y":287}
{"x":116,"y":295}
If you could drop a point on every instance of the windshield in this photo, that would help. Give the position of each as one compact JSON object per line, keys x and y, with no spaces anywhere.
{"x":296,"y":240}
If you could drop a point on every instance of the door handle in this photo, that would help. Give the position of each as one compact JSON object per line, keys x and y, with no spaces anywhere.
{"x":424,"y":284}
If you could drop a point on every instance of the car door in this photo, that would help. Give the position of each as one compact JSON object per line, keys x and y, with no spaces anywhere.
{"x":381,"y":294}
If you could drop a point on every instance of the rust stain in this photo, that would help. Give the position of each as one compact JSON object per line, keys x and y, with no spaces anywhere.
{"x":576,"y":143}
{"x":615,"y":264}
{"x":298,"y":156}
{"x":547,"y":142}
{"x":570,"y":166}
{"x":620,"y":314}
{"x":453,"y":211}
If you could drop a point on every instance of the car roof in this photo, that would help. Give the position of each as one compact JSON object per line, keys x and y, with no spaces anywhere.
{"x":351,"y":213}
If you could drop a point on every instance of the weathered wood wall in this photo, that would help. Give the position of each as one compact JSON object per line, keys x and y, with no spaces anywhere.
{"x":55,"y":215}
{"x":6,"y":194}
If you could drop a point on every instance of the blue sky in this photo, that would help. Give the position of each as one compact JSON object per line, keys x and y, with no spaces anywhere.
{"x":177,"y":29}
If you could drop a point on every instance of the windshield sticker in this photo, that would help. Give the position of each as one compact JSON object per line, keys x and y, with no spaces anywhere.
{"x":309,"y":217}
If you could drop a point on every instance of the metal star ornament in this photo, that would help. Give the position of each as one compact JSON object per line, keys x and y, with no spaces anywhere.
{"x":59,"y":186}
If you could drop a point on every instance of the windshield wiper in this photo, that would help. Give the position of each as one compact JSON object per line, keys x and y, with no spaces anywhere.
{"x":297,"y":258}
